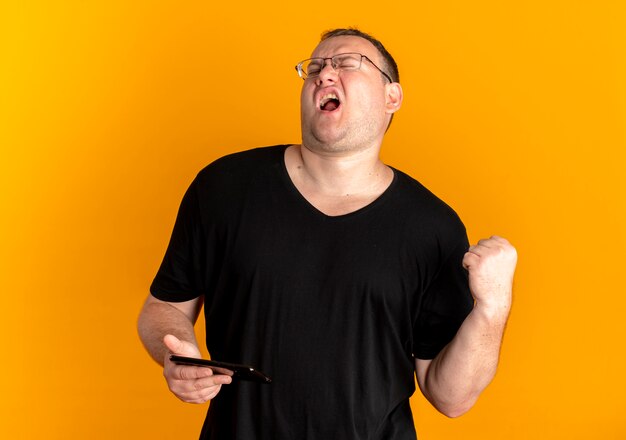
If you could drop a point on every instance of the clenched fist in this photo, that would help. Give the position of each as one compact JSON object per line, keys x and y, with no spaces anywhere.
{"x":491,"y":266}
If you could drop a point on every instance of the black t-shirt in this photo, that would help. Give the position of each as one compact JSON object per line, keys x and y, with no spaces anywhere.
{"x":333,"y":308}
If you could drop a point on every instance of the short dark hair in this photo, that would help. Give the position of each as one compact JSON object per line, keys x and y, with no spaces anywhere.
{"x":390,"y":66}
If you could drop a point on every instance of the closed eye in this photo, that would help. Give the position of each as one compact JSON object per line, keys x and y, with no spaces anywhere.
{"x":314,"y":69}
{"x":347,"y":61}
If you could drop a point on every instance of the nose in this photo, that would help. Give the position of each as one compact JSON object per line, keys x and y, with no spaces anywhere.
{"x":328,"y":72}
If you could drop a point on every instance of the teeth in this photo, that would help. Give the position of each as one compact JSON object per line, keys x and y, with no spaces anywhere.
{"x":327,"y":98}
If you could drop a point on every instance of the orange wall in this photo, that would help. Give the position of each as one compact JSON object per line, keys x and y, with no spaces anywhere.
{"x":514,"y":113}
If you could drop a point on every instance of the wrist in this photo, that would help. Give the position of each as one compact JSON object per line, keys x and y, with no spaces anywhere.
{"x":491,"y":312}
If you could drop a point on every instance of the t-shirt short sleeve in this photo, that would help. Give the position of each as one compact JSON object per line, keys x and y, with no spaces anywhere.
{"x":446,"y":303}
{"x":179,"y":276}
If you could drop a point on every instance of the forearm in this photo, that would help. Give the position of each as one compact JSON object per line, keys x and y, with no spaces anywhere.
{"x":158,"y":319}
{"x":464,"y":368}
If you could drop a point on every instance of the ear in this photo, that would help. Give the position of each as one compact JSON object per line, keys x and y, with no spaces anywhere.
{"x":393,"y":97}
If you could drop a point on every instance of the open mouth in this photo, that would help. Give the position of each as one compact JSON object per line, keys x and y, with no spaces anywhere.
{"x":329,"y":102}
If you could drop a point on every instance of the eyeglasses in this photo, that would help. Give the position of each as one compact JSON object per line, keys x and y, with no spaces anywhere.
{"x":341,"y":62}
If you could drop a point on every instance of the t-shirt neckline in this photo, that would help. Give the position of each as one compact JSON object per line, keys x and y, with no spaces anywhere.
{"x":303,"y":200}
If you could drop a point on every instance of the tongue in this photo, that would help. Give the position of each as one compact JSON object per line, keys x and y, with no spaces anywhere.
{"x":331,"y":105}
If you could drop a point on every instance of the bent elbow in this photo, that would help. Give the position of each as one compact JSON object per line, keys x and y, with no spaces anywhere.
{"x":457,"y":409}
{"x":453,"y":413}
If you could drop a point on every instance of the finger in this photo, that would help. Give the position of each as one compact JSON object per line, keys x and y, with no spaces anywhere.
{"x":201,"y":390}
{"x":500,"y":239}
{"x":215,"y":380}
{"x":183,"y":348}
{"x":173,"y":344}
{"x":192,"y":387}
{"x":470,"y":259}
{"x":201,"y":396}
{"x":485,"y":245}
{"x":176,"y":346}
{"x":477,"y":250}
{"x":192,"y":395}
{"x":492,"y":242}
{"x":492,"y":246}
{"x":186,"y":372}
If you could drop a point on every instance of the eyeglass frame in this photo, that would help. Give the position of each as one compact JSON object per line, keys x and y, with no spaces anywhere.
{"x":301,"y":72}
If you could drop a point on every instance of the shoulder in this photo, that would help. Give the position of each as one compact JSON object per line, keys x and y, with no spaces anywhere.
{"x":238,"y":168}
{"x":421,"y":199}
{"x":230,"y":177}
{"x":243,"y":162}
{"x":426,"y":213}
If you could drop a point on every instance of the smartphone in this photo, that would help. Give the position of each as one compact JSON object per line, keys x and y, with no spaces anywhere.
{"x":237,"y":371}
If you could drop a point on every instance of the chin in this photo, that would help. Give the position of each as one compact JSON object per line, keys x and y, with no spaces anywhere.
{"x":325,"y":144}
{"x":327,"y":139}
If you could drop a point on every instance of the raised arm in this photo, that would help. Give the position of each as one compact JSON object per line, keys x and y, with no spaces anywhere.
{"x":453,"y":381}
{"x":167,"y":328}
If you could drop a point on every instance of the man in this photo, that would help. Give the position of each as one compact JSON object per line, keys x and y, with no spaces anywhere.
{"x":333,"y":273}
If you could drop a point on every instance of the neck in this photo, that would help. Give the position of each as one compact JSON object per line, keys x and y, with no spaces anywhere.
{"x":340,"y":174}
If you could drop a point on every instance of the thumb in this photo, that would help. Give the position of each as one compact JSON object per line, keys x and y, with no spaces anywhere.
{"x":183,"y":348}
{"x":469,"y":260}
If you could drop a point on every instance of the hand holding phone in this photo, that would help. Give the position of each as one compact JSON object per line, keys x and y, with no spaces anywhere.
{"x":237,"y":371}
